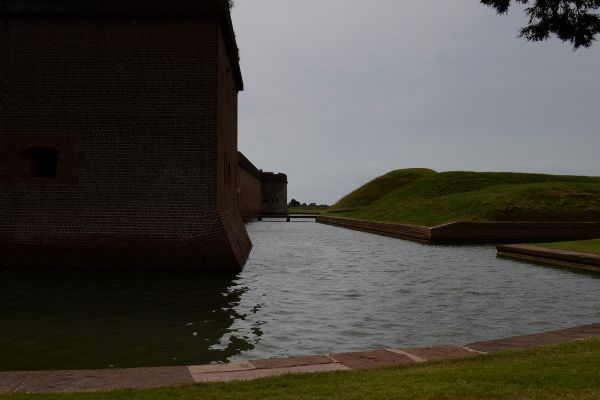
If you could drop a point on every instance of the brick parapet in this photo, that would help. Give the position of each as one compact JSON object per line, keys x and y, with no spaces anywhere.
{"x":246,"y":165}
{"x":132,"y":8}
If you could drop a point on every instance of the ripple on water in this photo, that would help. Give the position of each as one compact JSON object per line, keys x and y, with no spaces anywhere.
{"x":306,"y":289}
{"x":366,"y":290}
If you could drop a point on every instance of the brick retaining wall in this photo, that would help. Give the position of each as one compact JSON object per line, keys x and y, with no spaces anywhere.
{"x":474,"y":232}
{"x":411,"y":232}
{"x":553,"y":256}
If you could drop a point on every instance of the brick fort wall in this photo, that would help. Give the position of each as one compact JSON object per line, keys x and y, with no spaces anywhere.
{"x":132,"y":105}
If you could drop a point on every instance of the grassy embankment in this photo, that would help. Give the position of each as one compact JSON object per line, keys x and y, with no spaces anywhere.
{"x":566,"y":371}
{"x":425,"y":197}
{"x":582,"y":246}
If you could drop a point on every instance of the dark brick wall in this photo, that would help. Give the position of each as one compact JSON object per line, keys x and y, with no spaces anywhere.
{"x":131,"y":104}
{"x":227,"y":157}
{"x":249,"y":187}
{"x":274,"y":193}
{"x":250,"y":193}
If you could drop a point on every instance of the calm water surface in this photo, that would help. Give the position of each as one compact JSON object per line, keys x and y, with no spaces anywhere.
{"x":307,"y":289}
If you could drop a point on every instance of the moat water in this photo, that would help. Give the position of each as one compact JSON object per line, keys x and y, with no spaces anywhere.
{"x":307,"y":289}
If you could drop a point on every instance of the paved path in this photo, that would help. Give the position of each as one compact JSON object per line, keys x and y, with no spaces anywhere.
{"x":139,"y":378}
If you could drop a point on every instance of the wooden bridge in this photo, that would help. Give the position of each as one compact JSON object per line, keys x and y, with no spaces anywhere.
{"x":278,"y":218}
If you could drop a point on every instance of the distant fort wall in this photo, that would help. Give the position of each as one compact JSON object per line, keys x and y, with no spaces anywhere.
{"x":274,"y":193}
{"x":260,"y":193}
{"x":250,"y":187}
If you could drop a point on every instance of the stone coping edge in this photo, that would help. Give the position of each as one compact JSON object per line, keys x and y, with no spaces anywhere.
{"x":143,"y":378}
{"x":465,"y":232}
{"x":564,"y":258}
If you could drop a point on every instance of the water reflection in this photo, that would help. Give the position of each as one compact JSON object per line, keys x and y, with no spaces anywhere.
{"x":72,"y":320}
{"x":307,"y":289}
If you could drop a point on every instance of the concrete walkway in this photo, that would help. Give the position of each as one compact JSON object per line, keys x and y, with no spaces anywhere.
{"x":139,"y":378}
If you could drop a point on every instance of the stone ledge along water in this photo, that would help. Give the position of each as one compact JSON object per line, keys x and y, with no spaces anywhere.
{"x":473,"y":231}
{"x":571,"y":259}
{"x":142,"y":378}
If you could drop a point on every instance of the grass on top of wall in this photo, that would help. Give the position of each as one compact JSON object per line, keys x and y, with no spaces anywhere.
{"x":565,"y":371}
{"x":582,"y":246}
{"x":425,"y":197}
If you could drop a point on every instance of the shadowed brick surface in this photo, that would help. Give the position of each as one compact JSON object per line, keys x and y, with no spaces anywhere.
{"x":264,"y":373}
{"x":371,"y":359}
{"x":291,"y":362}
{"x":10,"y":381}
{"x":541,"y":339}
{"x":440,"y":352}
{"x":216,"y":368}
{"x":82,"y":381}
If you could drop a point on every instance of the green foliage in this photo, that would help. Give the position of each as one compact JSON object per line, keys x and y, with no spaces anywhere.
{"x":575,"y":21}
{"x":566,"y":371}
{"x":294,"y":203}
{"x":583,"y":246}
{"x":425,"y":197}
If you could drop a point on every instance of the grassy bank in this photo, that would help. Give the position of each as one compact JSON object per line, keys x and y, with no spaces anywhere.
{"x":566,"y":371}
{"x":583,"y":246}
{"x":426,"y":197}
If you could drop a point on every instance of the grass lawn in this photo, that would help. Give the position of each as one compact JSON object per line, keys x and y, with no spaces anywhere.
{"x":566,"y":371}
{"x":425,"y":197}
{"x":583,"y":246}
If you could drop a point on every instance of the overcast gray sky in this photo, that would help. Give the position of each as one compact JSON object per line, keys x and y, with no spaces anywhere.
{"x":341,"y":91}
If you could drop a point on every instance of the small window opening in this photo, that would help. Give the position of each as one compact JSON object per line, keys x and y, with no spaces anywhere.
{"x":40,"y":162}
{"x":227,"y":174}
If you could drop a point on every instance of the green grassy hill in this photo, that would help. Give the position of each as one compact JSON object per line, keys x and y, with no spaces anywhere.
{"x":426,"y":197}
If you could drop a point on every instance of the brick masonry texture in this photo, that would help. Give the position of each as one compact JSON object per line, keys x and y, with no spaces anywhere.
{"x":250,"y":186}
{"x":143,"y":112}
{"x":474,"y":232}
{"x":140,"y":378}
